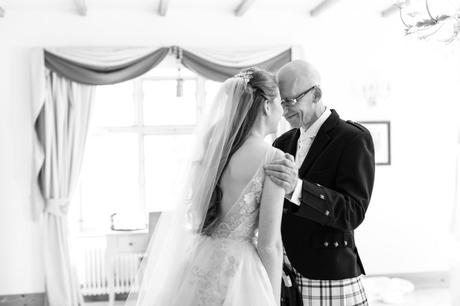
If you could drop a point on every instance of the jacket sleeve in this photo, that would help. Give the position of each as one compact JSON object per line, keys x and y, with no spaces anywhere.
{"x":345,"y":206}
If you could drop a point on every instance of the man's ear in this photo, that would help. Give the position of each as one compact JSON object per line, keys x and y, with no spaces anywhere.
{"x":317,"y":94}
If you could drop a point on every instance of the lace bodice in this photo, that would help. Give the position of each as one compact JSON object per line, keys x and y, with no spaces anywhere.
{"x":242,"y":219}
{"x":240,"y":222}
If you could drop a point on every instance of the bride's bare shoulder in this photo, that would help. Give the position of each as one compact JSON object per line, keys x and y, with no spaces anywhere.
{"x":252,"y":150}
{"x":249,"y":157}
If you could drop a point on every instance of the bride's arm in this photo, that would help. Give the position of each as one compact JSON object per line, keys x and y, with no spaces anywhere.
{"x":269,"y":245}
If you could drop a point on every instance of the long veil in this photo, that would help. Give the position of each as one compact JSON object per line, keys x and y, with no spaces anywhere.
{"x":176,"y":235}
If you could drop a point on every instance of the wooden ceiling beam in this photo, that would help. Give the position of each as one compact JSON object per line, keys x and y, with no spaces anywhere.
{"x":390,"y":10}
{"x":321,"y":7}
{"x":243,"y":7}
{"x":82,"y":8}
{"x":163,"y":7}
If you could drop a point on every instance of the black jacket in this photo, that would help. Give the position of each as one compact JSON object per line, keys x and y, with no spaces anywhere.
{"x":338,"y":177}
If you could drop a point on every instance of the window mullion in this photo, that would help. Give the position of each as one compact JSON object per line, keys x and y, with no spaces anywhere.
{"x":138,"y":100}
{"x":169,"y":130}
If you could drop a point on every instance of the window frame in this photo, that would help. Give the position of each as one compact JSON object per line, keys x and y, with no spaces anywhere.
{"x":141,"y":130}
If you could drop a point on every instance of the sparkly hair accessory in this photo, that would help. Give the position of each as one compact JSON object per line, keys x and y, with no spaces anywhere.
{"x":245,"y":75}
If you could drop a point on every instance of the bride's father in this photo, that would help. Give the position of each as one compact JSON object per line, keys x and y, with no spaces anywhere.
{"x":328,"y":188}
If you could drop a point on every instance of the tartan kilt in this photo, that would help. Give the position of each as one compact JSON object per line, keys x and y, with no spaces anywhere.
{"x":344,"y":292}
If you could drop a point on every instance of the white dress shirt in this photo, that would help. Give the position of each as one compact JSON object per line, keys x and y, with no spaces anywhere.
{"x":306,"y":138}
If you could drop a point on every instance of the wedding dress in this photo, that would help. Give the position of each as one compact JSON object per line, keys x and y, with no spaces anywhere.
{"x":226,"y":269}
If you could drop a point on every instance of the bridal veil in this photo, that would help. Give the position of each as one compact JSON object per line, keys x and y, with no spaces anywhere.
{"x":174,"y":239}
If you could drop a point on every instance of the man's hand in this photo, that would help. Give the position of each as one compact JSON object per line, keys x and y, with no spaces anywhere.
{"x":283,"y":173}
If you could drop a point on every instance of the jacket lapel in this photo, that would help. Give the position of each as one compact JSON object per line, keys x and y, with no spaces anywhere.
{"x":321,"y":140}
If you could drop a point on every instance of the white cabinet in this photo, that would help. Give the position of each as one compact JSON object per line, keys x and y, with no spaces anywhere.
{"x":123,"y":253}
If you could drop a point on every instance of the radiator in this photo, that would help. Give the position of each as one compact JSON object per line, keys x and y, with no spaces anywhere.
{"x":94,"y":271}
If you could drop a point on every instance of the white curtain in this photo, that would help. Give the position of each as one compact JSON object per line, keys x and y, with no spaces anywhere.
{"x":61,"y":112}
{"x":103,"y":57}
{"x":62,"y":130}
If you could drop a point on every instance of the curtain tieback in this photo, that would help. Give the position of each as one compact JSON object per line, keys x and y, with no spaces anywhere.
{"x":57,"y":206}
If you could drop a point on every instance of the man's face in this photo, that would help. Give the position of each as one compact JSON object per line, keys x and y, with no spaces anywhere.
{"x":301,"y":113}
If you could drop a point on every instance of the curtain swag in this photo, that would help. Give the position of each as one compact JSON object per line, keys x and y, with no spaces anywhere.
{"x":104,"y":74}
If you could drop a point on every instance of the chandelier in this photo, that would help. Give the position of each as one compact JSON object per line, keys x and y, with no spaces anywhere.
{"x":437,"y":19}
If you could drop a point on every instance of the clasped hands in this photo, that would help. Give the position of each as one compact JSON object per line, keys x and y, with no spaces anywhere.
{"x":283,"y":173}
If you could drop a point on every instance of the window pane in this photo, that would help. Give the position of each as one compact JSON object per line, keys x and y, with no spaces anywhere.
{"x":109,"y":179}
{"x":114,"y":105}
{"x":211,"y":89}
{"x":163,"y":107}
{"x":165,"y":156}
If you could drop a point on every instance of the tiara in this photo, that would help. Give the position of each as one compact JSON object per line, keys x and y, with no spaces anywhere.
{"x":245,"y":75}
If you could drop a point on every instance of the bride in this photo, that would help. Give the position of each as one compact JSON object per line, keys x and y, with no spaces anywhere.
{"x":221,"y":245}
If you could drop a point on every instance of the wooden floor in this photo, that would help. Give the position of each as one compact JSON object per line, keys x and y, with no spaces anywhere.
{"x":425,"y":297}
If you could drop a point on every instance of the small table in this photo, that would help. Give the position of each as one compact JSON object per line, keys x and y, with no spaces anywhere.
{"x":122,"y":242}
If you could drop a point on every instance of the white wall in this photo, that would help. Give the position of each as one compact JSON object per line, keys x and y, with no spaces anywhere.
{"x":407,"y":223}
{"x":409,"y":214}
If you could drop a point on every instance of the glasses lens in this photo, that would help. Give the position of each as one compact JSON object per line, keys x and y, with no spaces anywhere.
{"x":291,"y":102}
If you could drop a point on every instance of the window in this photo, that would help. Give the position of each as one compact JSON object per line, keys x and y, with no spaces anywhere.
{"x":135,"y":147}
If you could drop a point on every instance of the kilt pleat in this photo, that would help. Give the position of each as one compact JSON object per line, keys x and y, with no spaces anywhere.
{"x":343,"y":292}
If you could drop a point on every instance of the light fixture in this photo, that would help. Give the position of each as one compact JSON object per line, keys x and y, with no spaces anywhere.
{"x":375,"y":91}
{"x":424,"y":19}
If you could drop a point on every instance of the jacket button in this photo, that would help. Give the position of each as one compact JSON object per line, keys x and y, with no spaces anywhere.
{"x":336,"y":244}
{"x":318,"y":185}
{"x":327,"y":212}
{"x":345,"y":242}
{"x":326,"y":244}
{"x":321,"y":196}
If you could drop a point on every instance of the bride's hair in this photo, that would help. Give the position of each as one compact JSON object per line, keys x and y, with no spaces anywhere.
{"x":259,"y":86}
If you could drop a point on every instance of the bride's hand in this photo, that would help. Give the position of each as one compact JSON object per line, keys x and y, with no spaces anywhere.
{"x":283,"y":173}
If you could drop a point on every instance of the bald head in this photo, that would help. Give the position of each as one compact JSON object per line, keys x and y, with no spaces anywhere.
{"x":297,"y":76}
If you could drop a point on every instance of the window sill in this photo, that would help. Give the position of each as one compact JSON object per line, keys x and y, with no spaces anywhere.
{"x":110,"y":233}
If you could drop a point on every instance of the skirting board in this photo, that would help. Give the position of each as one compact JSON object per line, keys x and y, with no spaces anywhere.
{"x":421,"y":280}
{"x":30,"y":299}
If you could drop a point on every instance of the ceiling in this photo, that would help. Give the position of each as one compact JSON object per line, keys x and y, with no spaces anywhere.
{"x":312,"y":8}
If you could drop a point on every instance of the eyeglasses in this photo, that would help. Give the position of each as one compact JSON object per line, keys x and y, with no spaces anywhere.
{"x":290,"y":102}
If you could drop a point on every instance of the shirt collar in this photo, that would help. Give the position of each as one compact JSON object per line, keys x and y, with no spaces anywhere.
{"x":314,"y":128}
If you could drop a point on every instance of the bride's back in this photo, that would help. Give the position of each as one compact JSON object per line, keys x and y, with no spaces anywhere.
{"x":240,"y":170}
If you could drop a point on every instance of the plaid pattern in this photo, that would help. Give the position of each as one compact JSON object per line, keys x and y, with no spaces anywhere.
{"x":344,"y":292}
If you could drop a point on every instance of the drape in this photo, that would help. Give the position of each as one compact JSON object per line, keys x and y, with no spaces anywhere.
{"x":95,"y":67}
{"x":242,"y":57}
{"x":62,"y":128}
{"x":222,"y":70}
{"x":61,"y":112}
{"x":105,"y":72}
{"x":62,"y":97}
